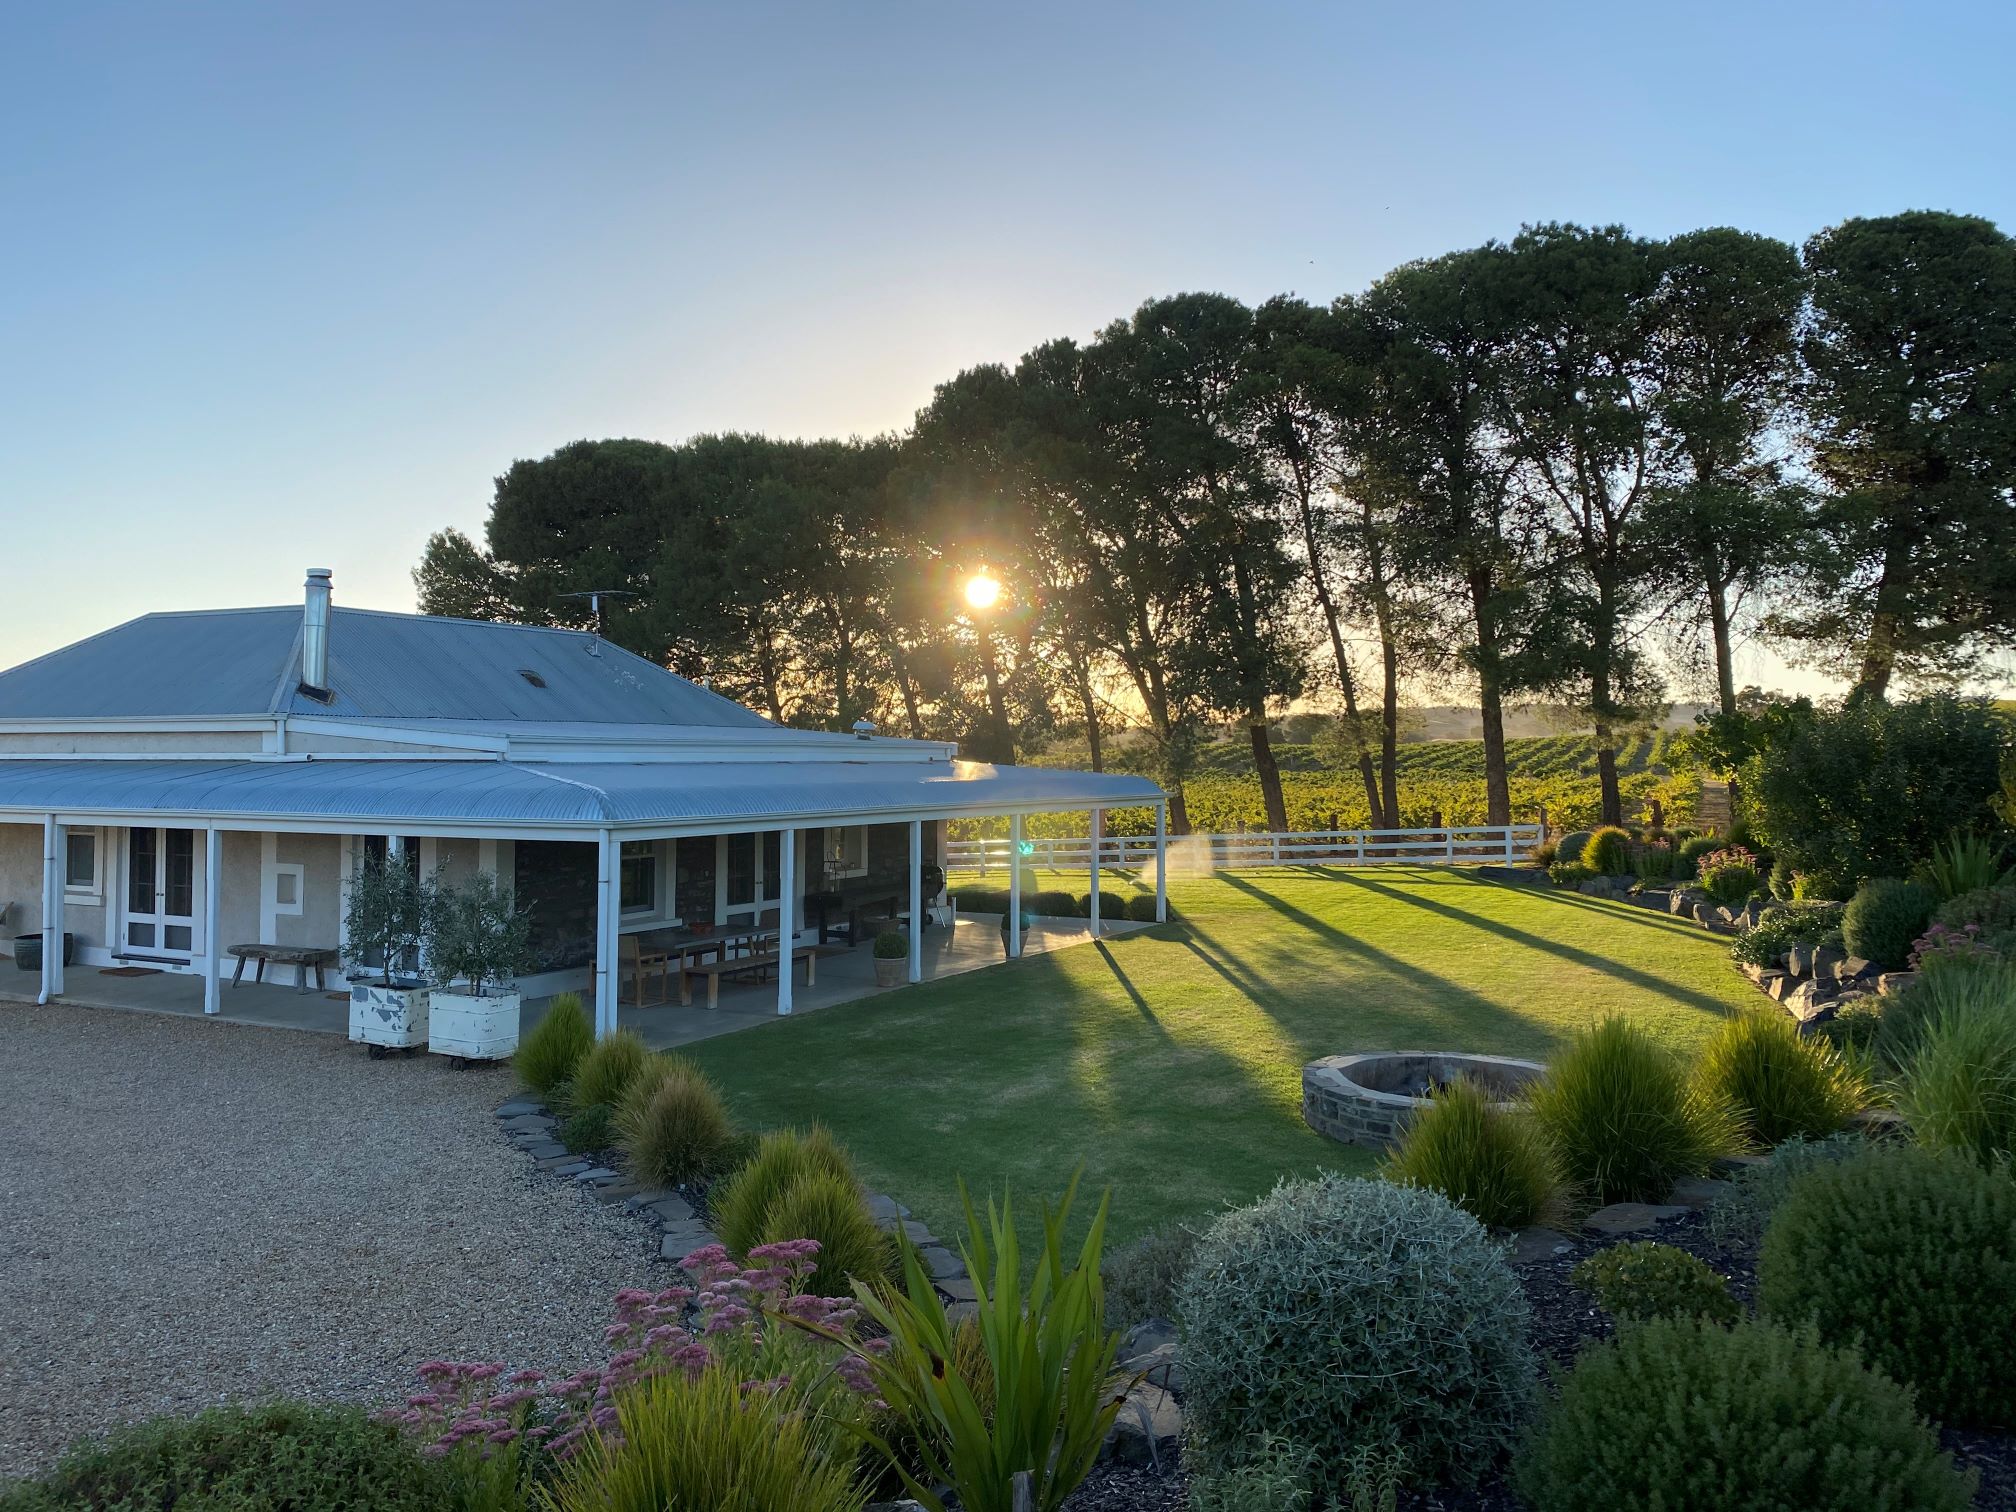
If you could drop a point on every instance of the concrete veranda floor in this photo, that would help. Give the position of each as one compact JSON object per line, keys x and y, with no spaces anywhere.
{"x":972,"y":945}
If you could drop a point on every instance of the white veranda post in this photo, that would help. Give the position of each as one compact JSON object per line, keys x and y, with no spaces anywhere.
{"x":213,"y":872}
{"x":1092,"y":902}
{"x":1015,"y":885}
{"x":1161,"y":863}
{"x":605,"y":934}
{"x":787,"y":929}
{"x":916,"y":900}
{"x":54,"y":838}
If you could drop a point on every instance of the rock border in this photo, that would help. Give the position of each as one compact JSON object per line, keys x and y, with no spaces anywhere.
{"x":534,"y":1128}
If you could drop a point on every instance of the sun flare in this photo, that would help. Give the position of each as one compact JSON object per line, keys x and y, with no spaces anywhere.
{"x":982,"y":591}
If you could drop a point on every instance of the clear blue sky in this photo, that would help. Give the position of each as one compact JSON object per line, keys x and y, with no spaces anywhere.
{"x":284,"y":284}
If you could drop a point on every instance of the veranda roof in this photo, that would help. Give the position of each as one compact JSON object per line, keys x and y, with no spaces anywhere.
{"x":560,"y":794}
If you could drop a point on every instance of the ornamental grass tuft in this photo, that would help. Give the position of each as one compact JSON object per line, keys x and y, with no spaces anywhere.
{"x":1495,"y":1163}
{"x":546,"y":1058}
{"x":1957,"y":1087}
{"x":1624,"y":1117}
{"x":804,"y":1187}
{"x":604,"y":1073}
{"x":1678,"y":1413}
{"x":672,"y":1125}
{"x":1779,"y":1083}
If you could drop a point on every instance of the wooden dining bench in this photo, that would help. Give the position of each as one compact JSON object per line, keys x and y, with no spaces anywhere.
{"x":735,"y":965}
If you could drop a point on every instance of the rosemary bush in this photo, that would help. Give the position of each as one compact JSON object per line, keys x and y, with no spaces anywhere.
{"x":1637,"y":1282}
{"x":1341,"y":1314}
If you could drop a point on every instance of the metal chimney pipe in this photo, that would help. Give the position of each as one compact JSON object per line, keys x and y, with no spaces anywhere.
{"x":315,"y":632}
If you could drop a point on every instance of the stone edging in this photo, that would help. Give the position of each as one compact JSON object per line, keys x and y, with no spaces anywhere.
{"x":528,"y":1124}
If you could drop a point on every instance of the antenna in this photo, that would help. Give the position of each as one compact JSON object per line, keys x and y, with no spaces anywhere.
{"x":595,"y":596}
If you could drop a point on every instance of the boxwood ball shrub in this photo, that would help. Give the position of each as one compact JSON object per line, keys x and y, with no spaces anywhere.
{"x":1687,"y":858}
{"x":1910,"y":1256}
{"x":1681,"y":1414}
{"x":1141,"y":908}
{"x":546,"y":1057}
{"x":1625,"y":1118}
{"x":280,"y":1457}
{"x":1779,"y":1083}
{"x":1608,"y":850}
{"x":1883,"y":919}
{"x":1571,"y":845}
{"x":605,"y":1072}
{"x":1635,"y":1283}
{"x":1495,"y":1163}
{"x":673,"y":1126}
{"x":1341,"y":1314}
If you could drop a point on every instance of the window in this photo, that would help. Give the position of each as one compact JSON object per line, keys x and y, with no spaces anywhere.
{"x":80,"y":864}
{"x":847,"y":851}
{"x":288,"y":877}
{"x":639,"y":876}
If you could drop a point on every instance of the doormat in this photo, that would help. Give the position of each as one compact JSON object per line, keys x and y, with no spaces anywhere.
{"x":129,"y":971}
{"x":337,"y":997}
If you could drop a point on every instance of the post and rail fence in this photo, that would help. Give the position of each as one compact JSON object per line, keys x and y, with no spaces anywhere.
{"x":1440,"y":845}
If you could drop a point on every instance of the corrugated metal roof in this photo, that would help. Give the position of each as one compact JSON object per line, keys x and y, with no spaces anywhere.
{"x":584,"y":793}
{"x":381,"y":666}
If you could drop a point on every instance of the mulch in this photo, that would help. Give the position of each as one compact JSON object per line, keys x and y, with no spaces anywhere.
{"x":1564,"y":1320}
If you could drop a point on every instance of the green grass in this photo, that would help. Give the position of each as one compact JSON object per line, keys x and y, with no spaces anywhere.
{"x":1169,"y":1062}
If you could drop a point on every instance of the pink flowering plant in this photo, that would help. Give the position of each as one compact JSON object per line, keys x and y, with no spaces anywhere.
{"x":751,"y":1321}
{"x":1944,"y":944}
{"x":1729,"y":875}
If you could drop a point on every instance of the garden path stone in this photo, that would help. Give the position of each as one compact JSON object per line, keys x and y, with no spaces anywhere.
{"x":886,"y":1209}
{"x":1538,"y":1245}
{"x":673,"y":1209}
{"x":593,"y":1174}
{"x":547,"y":1149}
{"x":1699,"y":1192}
{"x":519,"y":1106}
{"x":615,"y":1191}
{"x":677,"y":1244}
{"x":940,"y":1262}
{"x":1631,"y":1217}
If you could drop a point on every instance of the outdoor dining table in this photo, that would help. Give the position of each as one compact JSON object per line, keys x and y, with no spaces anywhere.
{"x":684,"y":946}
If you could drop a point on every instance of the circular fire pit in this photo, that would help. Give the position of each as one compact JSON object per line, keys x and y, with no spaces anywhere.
{"x":1368,"y":1099}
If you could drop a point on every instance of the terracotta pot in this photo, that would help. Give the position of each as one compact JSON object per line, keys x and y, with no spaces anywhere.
{"x":891,"y":972}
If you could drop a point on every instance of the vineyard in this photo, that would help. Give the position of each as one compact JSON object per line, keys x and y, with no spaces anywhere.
{"x":1446,"y":776}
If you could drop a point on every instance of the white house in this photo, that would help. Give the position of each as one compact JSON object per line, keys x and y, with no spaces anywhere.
{"x":187,"y":782}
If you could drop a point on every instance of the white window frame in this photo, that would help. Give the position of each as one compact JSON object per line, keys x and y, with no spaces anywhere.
{"x":92,"y":892}
{"x":850,"y":857}
{"x":656,"y":853}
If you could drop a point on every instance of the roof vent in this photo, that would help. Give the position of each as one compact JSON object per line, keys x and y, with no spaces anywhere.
{"x":532,"y":677}
{"x":864,"y":729}
{"x":315,"y":635}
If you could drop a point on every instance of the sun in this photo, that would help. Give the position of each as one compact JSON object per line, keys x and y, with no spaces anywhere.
{"x":982,"y":591}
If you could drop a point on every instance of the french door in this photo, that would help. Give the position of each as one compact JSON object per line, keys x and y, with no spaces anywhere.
{"x":161,"y":892}
{"x":750,"y":879}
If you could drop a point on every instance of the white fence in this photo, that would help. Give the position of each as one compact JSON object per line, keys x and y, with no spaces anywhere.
{"x":1450,"y":845}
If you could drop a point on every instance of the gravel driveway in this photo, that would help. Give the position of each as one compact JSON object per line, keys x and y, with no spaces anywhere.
{"x":192,"y":1211}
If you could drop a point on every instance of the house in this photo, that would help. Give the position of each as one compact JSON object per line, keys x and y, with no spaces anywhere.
{"x":187,"y":782}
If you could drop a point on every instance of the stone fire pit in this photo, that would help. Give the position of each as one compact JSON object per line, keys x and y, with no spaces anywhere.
{"x":1368,"y":1099}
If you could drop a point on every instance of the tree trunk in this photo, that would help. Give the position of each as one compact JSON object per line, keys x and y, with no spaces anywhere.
{"x":1490,"y":700}
{"x":1389,"y":727}
{"x":1606,"y":773}
{"x":1000,"y":744}
{"x":766,"y":669}
{"x":1312,"y":549}
{"x":1081,"y":678}
{"x":1725,"y":662}
{"x":1270,"y":772}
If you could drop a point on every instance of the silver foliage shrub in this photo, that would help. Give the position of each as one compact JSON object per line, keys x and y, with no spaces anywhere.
{"x":1342,"y":1315}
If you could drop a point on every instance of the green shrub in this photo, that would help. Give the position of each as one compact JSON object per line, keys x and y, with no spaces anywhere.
{"x":1780,"y":884}
{"x":1729,"y":876}
{"x":1279,"y":1477}
{"x":1963,"y":863}
{"x":1883,"y":919}
{"x":1053,"y":904}
{"x":1653,"y":861}
{"x":1853,"y":1031}
{"x":1957,"y":1087}
{"x":1779,"y":1083}
{"x":1608,"y":850}
{"x":701,"y":1441}
{"x":1820,"y":887}
{"x":278,"y":1457}
{"x":1288,"y":1300}
{"x":673,"y":1127}
{"x":589,"y":1130}
{"x":1625,"y":1119}
{"x":1767,"y":941}
{"x":546,"y":1057}
{"x":981,"y":900}
{"x":891,"y":945}
{"x":1141,"y":908}
{"x":1738,"y":1217}
{"x":604,"y":1074}
{"x":1570,"y":873}
{"x":1571,"y":845}
{"x":1682,"y":1414}
{"x":1687,"y":859}
{"x":1543,"y":855}
{"x":1048,"y":1402}
{"x":830,"y":1208}
{"x":1990,"y":909}
{"x":1635,"y":1283}
{"x":1492,"y":1162}
{"x":1142,"y":1279}
{"x":1910,"y":1255}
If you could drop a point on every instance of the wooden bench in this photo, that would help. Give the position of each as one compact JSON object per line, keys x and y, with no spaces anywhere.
{"x":301,"y":956}
{"x":715,"y":970}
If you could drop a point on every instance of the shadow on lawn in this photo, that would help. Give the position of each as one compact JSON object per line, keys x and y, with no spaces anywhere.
{"x":1644,"y":980}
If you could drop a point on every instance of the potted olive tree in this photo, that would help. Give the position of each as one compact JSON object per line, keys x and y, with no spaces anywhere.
{"x":892,"y":958}
{"x":477,"y":940}
{"x":386,"y":917}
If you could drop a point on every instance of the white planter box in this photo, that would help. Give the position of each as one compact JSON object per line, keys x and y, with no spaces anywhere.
{"x":475,"y":1028}
{"x":395,"y":1017}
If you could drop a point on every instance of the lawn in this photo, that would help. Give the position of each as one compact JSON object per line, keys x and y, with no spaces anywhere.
{"x":1168,"y":1063}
